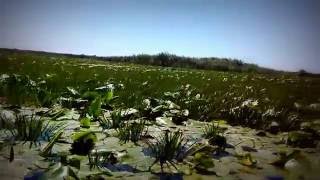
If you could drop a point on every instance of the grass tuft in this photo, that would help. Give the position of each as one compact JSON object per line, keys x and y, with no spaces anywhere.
{"x":31,"y":129}
{"x":167,"y":148}
{"x":132,"y":131}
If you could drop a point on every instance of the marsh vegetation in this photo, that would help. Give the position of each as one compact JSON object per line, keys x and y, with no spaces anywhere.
{"x":80,"y":118}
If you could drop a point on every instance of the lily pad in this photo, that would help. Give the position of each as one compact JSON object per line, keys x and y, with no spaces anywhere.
{"x":69,"y":115}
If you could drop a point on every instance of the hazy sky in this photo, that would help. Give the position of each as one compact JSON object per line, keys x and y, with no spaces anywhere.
{"x":282,"y":34}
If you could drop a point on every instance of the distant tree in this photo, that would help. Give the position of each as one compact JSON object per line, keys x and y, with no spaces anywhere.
{"x":302,"y":72}
{"x":163,"y":59}
{"x":238,"y":62}
{"x":144,"y":59}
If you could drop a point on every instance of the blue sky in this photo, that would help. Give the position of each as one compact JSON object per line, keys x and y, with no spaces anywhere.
{"x":281,"y":34}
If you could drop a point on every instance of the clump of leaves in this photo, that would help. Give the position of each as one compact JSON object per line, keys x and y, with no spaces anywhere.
{"x":46,"y":98}
{"x":83,"y":142}
{"x":132,"y":131}
{"x":151,"y":108}
{"x":64,"y":169}
{"x":97,"y":101}
{"x":180,"y":117}
{"x":31,"y":129}
{"x":203,"y":161}
{"x":219,"y":141}
{"x":189,"y":98}
{"x":247,"y":160}
{"x":211,"y":130}
{"x":98,"y":158}
{"x":167,"y":148}
{"x":19,"y":89}
{"x":94,"y":109}
{"x":284,"y":157}
{"x":85,"y":122}
{"x":247,"y":114}
{"x":116,"y":121}
{"x":90,"y":95}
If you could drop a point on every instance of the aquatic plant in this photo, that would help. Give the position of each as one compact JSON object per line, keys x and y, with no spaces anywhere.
{"x":115,"y":121}
{"x":83,"y":142}
{"x":98,"y":159}
{"x":46,"y":97}
{"x":19,"y":88}
{"x":132,"y":131}
{"x":94,"y":108}
{"x":85,"y":122}
{"x":247,"y":114}
{"x":220,"y":141}
{"x":211,"y":130}
{"x":31,"y":129}
{"x":167,"y":148}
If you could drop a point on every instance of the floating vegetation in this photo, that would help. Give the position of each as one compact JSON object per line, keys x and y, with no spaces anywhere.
{"x":31,"y":129}
{"x":211,"y":130}
{"x":115,"y":120}
{"x":97,"y":159}
{"x":83,"y":142}
{"x":132,"y":131}
{"x":167,"y":148}
{"x":101,"y":119}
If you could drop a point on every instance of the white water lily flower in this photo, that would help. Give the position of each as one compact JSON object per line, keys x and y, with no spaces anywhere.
{"x":129,"y":111}
{"x":32,"y":83}
{"x":110,"y":87}
{"x":49,"y":75}
{"x":250,"y":103}
{"x":255,"y":103}
{"x":185,"y":112}
{"x":270,"y":112}
{"x":145,"y":83}
{"x":161,"y":120}
{"x":171,"y":105}
{"x":121,"y":86}
{"x":3,"y":77}
{"x":42,"y":82}
{"x":188,"y":93}
{"x":146,"y":103}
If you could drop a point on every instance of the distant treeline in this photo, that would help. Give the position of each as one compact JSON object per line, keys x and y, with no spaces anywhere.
{"x":171,"y":60}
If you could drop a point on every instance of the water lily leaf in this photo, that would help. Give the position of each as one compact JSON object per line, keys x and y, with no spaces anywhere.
{"x":90,"y":95}
{"x":60,"y":171}
{"x":137,"y":159}
{"x":203,"y":160}
{"x":86,"y":172}
{"x":69,"y":115}
{"x":247,"y":160}
{"x":95,"y":107}
{"x":108,"y":96}
{"x":284,"y":158}
{"x":84,"y":134}
{"x":85,"y":122}
{"x":203,"y":163}
{"x":221,"y":169}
